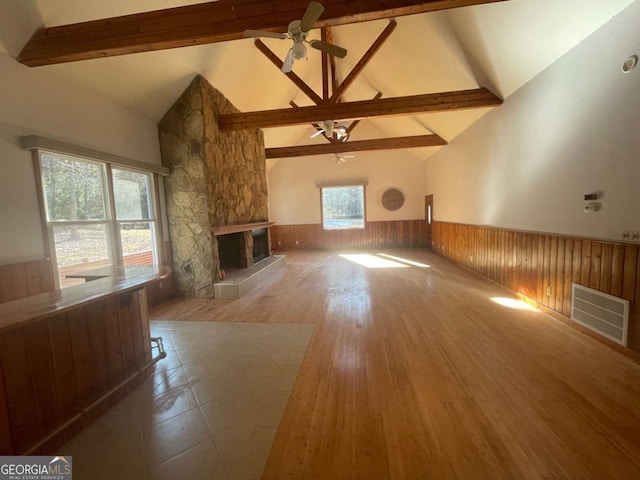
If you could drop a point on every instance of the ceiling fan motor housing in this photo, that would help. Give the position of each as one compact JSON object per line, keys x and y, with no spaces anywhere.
{"x":295,"y":32}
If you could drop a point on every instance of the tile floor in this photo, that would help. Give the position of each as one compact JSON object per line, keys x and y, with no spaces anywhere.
{"x":210,"y":410}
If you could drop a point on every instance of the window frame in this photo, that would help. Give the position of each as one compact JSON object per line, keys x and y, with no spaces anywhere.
{"x":152,"y":192}
{"x":344,"y":184}
{"x":111,"y":222}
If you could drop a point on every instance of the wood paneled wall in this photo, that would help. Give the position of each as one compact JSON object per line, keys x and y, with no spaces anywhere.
{"x":401,"y":233}
{"x":22,"y":280}
{"x":543,"y":266}
{"x":161,"y":291}
{"x":53,"y":368}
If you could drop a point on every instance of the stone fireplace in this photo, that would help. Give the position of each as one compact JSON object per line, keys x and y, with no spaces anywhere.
{"x":216,"y":193}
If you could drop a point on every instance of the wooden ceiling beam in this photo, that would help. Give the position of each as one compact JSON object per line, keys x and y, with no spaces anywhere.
{"x":364,"y":61}
{"x":382,"y":107}
{"x":355,"y":123}
{"x":203,"y":23}
{"x":357,"y":146}
{"x":333,"y":81}
{"x":301,"y":84}
{"x":324,"y":36}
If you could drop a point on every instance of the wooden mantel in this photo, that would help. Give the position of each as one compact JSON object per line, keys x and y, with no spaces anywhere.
{"x":245,"y":227}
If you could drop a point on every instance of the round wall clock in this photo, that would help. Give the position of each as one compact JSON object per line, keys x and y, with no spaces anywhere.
{"x":392,"y":199}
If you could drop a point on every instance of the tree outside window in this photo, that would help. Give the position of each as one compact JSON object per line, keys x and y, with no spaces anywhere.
{"x":343,"y":207}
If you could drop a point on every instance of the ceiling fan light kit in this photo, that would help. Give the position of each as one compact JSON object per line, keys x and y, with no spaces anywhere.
{"x":299,"y":51}
{"x":342,"y":133}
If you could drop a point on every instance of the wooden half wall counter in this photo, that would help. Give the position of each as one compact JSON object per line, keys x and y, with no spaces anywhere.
{"x":21,"y":280}
{"x":67,"y":355}
{"x":542,"y":267}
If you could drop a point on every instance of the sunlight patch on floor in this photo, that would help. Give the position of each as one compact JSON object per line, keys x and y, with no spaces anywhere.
{"x":372,"y":261}
{"x":404,"y":260}
{"x":513,"y":303}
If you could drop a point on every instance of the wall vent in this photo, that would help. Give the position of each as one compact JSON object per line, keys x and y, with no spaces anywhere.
{"x":600,"y":312}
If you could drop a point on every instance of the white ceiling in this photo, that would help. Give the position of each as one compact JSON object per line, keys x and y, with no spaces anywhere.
{"x":500,"y":46}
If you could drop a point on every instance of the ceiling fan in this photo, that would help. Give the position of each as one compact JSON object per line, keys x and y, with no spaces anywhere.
{"x":298,"y":31}
{"x":340,"y":158}
{"x":330,"y":128}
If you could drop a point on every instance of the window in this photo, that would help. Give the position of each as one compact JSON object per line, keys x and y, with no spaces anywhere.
{"x":343,"y":207}
{"x":134,"y":216}
{"x":97,"y":215}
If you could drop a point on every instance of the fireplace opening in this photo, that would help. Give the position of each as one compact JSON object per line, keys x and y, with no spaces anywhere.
{"x":242,"y":249}
{"x":260,"y":244}
{"x":230,"y":249}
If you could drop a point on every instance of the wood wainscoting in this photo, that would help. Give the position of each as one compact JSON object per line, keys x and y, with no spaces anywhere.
{"x":542,"y":267}
{"x":389,"y":234}
{"x":22,"y":280}
{"x":159,"y":292}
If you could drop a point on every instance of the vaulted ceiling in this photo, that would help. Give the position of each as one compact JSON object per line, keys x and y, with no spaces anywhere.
{"x":499,"y":46}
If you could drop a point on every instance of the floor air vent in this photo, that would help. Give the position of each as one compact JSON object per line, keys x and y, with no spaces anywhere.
{"x":602,"y":313}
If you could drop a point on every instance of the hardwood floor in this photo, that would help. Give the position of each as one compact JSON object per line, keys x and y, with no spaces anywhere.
{"x":415,"y":373}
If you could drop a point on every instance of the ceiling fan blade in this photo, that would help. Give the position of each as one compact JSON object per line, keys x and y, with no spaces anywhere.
{"x":329,"y":48}
{"x":317,"y":133}
{"x":287,"y":66}
{"x":265,"y":34}
{"x":311,"y":16}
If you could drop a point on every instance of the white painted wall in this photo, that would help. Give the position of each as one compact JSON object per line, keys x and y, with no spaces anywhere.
{"x":294,"y":197}
{"x":574,"y":129}
{"x":33,"y":101}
